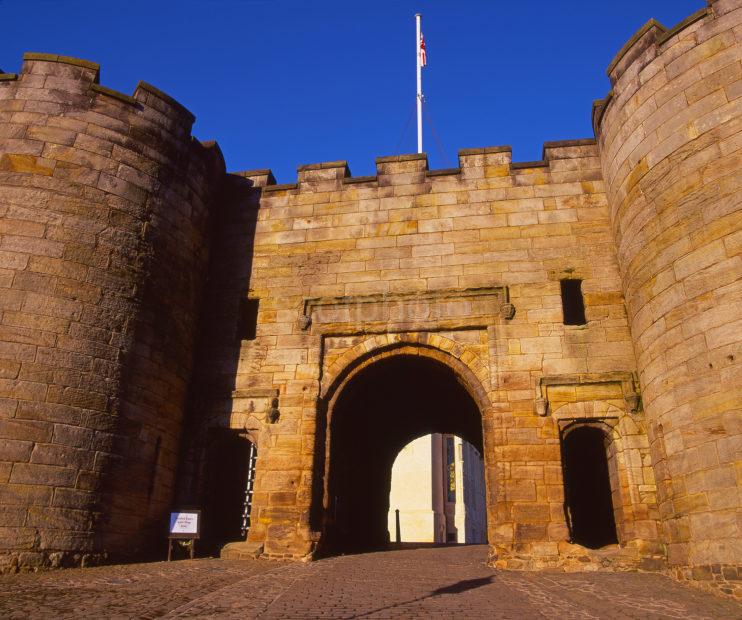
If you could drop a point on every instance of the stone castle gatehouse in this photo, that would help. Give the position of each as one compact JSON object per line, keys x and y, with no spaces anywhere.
{"x":173,"y":335}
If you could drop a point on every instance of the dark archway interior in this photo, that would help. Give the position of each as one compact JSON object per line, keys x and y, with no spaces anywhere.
{"x":588,"y":488}
{"x":381,"y":409}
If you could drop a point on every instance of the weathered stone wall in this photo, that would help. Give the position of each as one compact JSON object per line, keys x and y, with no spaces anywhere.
{"x":669,"y":138}
{"x":105,"y":218}
{"x":218,"y":347}
{"x":104,"y":215}
{"x":350,"y":270}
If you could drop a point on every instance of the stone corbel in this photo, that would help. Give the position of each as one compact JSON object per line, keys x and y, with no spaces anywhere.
{"x":541,"y":402}
{"x":631,"y":396}
{"x":273,"y":414}
{"x":507,"y":311}
{"x":261,"y":395}
{"x":632,"y":402}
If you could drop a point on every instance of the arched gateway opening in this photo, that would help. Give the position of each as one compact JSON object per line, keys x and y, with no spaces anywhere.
{"x":376,"y":412}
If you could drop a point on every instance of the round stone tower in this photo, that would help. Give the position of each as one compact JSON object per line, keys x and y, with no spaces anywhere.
{"x":670,"y":139}
{"x":105,"y":206}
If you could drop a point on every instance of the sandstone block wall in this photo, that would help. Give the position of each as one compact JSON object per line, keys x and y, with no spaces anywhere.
{"x":218,"y":343}
{"x":348,"y":270}
{"x":670,"y":138}
{"x":104,"y":216}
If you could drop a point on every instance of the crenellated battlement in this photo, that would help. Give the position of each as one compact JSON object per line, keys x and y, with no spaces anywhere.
{"x":396,"y":169}
{"x":646,"y":41}
{"x":151,"y":120}
{"x":634,"y":62}
{"x":67,"y":80}
{"x":88,"y":68}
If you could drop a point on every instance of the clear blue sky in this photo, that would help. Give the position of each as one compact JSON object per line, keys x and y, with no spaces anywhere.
{"x":280,"y":83}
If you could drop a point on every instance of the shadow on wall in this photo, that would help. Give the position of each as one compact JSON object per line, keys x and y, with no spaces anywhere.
{"x":169,"y":269}
{"x":219,"y":346}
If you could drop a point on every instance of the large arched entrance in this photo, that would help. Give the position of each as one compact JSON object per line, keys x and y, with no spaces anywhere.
{"x":376,"y":412}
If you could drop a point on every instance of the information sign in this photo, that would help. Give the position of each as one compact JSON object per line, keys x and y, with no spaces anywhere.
{"x":185,"y":530}
{"x":185,"y":524}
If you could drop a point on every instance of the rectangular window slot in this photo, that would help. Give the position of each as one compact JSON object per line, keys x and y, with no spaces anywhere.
{"x":573,"y":304}
{"x":248,"y":320}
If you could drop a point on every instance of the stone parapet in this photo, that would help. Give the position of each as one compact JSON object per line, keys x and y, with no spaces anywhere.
{"x":494,"y":161}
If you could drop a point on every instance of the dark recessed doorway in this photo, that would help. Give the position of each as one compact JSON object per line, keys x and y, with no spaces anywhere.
{"x":229,"y":478}
{"x":587,"y":488}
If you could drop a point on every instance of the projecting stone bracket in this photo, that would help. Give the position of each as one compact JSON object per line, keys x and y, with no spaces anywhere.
{"x":255,"y":402}
{"x":633,"y":402}
{"x":588,"y":386}
{"x":273,"y":414}
{"x":507,"y":311}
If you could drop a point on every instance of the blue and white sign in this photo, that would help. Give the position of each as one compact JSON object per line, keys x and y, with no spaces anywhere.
{"x":185,"y":523}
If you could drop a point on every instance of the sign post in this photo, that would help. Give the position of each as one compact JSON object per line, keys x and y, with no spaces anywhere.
{"x":184,"y":525}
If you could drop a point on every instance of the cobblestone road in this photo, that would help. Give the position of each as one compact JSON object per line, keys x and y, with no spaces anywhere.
{"x":450,"y":582}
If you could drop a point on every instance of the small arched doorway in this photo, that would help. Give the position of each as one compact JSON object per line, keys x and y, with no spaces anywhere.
{"x":587,"y":487}
{"x":379,"y":410}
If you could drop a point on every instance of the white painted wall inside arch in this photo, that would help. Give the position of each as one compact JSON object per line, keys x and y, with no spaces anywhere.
{"x":438,"y":489}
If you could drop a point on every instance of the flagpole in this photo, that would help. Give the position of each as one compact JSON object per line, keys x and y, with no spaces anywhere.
{"x":419,"y":87}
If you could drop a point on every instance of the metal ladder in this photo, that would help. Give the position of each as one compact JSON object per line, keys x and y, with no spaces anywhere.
{"x":247,"y":504}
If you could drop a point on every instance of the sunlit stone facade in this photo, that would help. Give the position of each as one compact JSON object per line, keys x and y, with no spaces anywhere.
{"x":151,"y":301}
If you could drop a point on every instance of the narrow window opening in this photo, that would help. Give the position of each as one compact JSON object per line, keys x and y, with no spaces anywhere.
{"x":248,"y":320}
{"x":587,"y":488}
{"x":573,"y":304}
{"x":153,"y":469}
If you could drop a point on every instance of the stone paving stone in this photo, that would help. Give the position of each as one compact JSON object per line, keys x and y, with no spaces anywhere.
{"x":122,"y":591}
{"x":451,"y":582}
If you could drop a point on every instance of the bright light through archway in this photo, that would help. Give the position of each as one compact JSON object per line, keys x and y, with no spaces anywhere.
{"x":437,"y":492}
